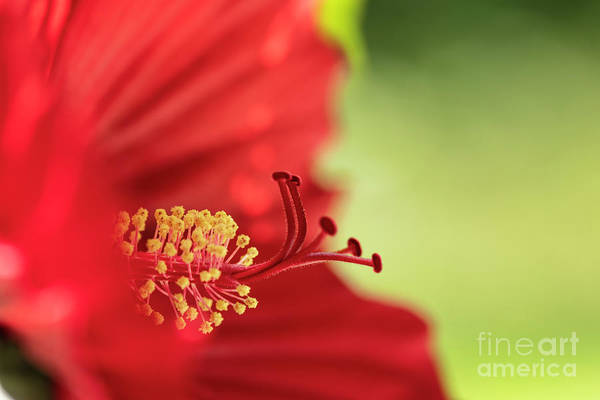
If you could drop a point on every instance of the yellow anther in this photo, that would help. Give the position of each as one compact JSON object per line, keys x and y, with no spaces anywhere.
{"x":205,"y":276}
{"x":183,"y":282}
{"x":123,"y":218}
{"x":242,"y":241}
{"x":191,"y":314}
{"x":217,"y":250}
{"x":204,"y":220}
{"x":215,"y":273}
{"x":178,"y":297}
{"x":198,"y":236}
{"x":153,"y":245}
{"x":206,"y":327}
{"x":142,"y":212}
{"x":251,"y":302}
{"x":170,"y":250}
{"x":146,"y":289}
{"x":163,"y":230}
{"x":189,"y":218}
{"x":187,"y":257}
{"x":246,"y":261}
{"x":178,"y":211}
{"x":161,"y":267}
{"x":243,"y":290}
{"x":231,"y":222}
{"x":252,"y":252}
{"x":230,"y":234}
{"x":145,"y":310}
{"x":221,"y":214}
{"x":220,"y":229}
{"x":239,"y":308}
{"x":216,"y":318}
{"x":176,"y":224}
{"x":160,"y":215}
{"x":126,"y":248}
{"x":222,"y":305}
{"x":185,"y":245}
{"x":203,"y":223}
{"x":205,"y":304}
{"x":222,"y":219}
{"x":182,"y":306}
{"x":224,"y":224}
{"x":139,"y":222}
{"x":157,"y":318}
{"x":150,"y":285}
{"x":231,"y":228}
{"x":180,"y":323}
{"x":205,"y":213}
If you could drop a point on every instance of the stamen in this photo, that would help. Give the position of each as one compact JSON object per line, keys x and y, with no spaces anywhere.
{"x":328,"y":228}
{"x":282,"y":179}
{"x":353,"y":247}
{"x":186,"y":260}
{"x":293,"y":184}
{"x":307,"y":256}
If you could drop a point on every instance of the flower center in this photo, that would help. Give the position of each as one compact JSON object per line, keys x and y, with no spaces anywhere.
{"x":190,"y":258}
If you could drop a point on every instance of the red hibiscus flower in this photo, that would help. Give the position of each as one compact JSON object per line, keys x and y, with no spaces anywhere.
{"x":154,"y":103}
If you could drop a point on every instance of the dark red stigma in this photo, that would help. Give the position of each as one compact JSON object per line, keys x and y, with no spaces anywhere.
{"x":294,"y":253}
{"x":354,"y":247}
{"x":328,"y":226}
{"x":376,"y":258}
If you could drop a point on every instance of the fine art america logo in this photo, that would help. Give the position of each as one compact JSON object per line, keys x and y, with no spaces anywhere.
{"x":526,"y":357}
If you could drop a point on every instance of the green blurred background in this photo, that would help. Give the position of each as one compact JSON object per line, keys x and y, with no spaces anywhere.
{"x":470,"y":150}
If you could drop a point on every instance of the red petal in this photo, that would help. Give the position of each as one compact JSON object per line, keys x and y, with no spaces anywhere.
{"x":172,"y":82}
{"x":320,"y":344}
